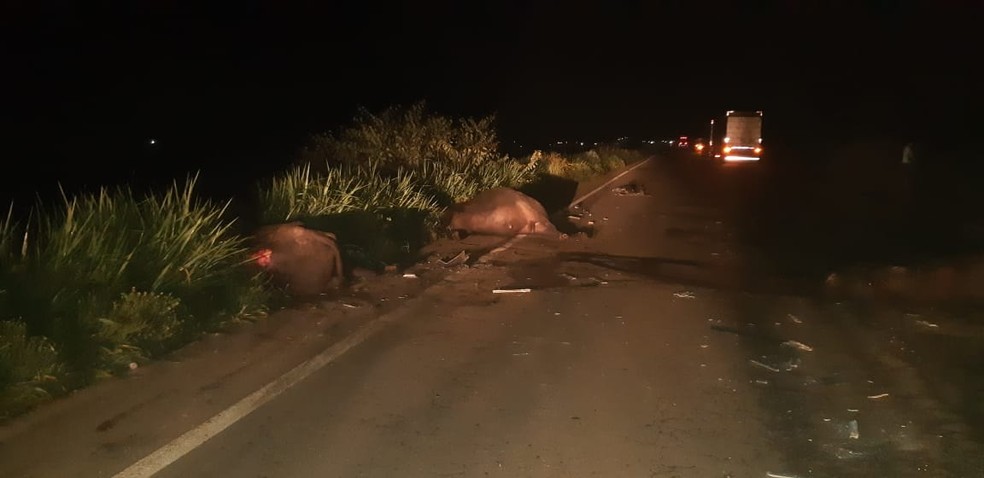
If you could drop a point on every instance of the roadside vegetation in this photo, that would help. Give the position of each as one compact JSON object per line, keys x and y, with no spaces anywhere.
{"x":96,"y":284}
{"x":104,"y":282}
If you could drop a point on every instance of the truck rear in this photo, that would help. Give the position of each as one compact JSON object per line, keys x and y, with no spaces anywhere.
{"x":743,"y":136}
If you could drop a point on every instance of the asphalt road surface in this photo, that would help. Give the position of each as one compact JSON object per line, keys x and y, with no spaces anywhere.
{"x":669,"y":341}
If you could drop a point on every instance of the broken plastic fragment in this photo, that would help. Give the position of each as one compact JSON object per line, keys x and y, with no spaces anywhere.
{"x":460,"y":258}
{"x":798,"y":345}
{"x":762,"y":365}
{"x":686,"y":294}
{"x":510,"y":291}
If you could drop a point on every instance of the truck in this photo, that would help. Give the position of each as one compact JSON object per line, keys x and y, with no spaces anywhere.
{"x":742,"y":140}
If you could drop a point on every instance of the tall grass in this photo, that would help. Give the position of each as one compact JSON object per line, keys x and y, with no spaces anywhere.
{"x":585,"y":165}
{"x":302,"y":193}
{"x":381,"y":184}
{"x":109,"y":278}
{"x":406,"y":137}
{"x":453,"y":159}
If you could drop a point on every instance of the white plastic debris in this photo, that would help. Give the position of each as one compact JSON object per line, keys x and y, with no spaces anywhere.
{"x":928,"y":324}
{"x":349,"y":306}
{"x":778,"y":475}
{"x":410,"y":275}
{"x":510,"y":291}
{"x":876,"y":397}
{"x":798,"y":345}
{"x":762,"y":365}
{"x":794,"y":319}
{"x":686,"y":294}
{"x":852,"y":427}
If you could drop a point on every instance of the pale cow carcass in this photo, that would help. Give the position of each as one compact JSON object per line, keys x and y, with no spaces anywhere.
{"x":304,"y":262}
{"x":500,"y":212}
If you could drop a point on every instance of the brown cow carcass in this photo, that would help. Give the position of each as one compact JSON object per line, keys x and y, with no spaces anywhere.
{"x":500,"y":212}
{"x":304,"y":262}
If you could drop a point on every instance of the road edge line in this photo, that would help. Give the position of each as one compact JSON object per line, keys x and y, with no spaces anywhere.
{"x":606,"y":183}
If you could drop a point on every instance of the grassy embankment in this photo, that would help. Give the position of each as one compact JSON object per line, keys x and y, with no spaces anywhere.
{"x":100,"y":283}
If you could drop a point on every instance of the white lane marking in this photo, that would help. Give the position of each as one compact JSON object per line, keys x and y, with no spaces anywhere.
{"x":195,"y":437}
{"x":612,"y":180}
{"x":184,"y":444}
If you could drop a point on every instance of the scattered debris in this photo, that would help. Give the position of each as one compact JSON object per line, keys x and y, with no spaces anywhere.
{"x":792,"y":318}
{"x":845,"y":454}
{"x":568,"y":276}
{"x":762,"y":382}
{"x":762,"y":365}
{"x":349,"y":306}
{"x":876,"y":397}
{"x":928,"y":324}
{"x":410,"y":275}
{"x":778,"y":475}
{"x":686,"y":294}
{"x":791,"y":365}
{"x":725,"y":328}
{"x":798,"y":345}
{"x":460,"y":258}
{"x":510,"y":291}
{"x":852,"y":428}
{"x":521,"y":354}
{"x":629,"y":190}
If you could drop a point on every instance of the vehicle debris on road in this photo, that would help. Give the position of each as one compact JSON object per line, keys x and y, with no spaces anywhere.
{"x":769,"y":474}
{"x":510,"y":291}
{"x":762,"y":365}
{"x":460,"y":258}
{"x":798,"y":345}
{"x":852,"y":428}
{"x":629,"y":190}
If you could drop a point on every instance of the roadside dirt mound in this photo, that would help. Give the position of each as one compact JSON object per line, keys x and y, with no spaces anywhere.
{"x":500,"y":212}
{"x":305,"y":262}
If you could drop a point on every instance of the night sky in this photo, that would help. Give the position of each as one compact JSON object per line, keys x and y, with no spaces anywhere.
{"x":234,"y":88}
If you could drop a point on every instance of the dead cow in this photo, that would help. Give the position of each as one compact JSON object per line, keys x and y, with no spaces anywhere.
{"x":305,"y":262}
{"x":500,"y":212}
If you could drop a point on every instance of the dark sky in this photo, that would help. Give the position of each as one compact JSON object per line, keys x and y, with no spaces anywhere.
{"x":233,"y":86}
